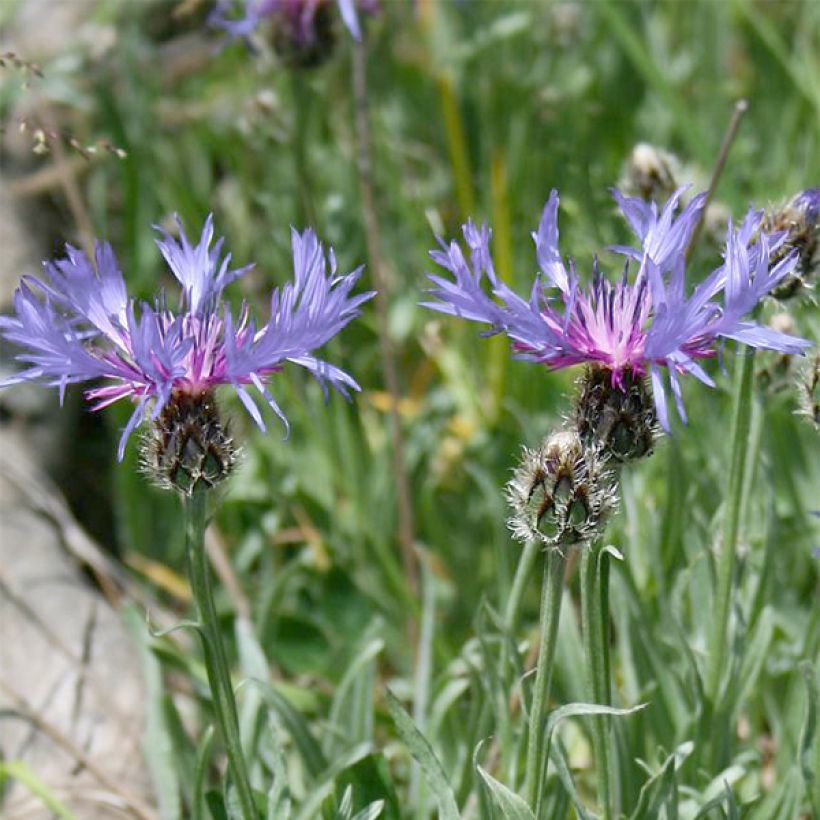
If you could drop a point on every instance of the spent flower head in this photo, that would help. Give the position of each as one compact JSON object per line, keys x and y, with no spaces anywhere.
{"x":78,"y":324}
{"x":652,"y":325}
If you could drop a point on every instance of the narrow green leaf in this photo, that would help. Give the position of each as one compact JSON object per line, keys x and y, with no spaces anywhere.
{"x":757,"y":649}
{"x":279,"y":804}
{"x":254,"y":664}
{"x":512,"y":806}
{"x":344,"y":711}
{"x":565,"y":776}
{"x":371,"y":781}
{"x":423,"y":754}
{"x":662,"y":786}
{"x":808,"y":736}
{"x":783,"y":803}
{"x":296,"y":726}
{"x":371,"y":812}
{"x":584,"y":709}
{"x":327,"y":781}
{"x":203,"y":757}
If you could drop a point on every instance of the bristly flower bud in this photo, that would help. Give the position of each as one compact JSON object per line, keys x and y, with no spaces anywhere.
{"x":187,"y":447}
{"x":620,"y":419}
{"x":809,"y":388}
{"x":800,"y":218}
{"x":561,"y":493}
{"x":651,"y":173}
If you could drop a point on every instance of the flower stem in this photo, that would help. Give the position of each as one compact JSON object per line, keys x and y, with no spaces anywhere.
{"x":554,"y":568}
{"x":512,"y":611}
{"x":741,"y":419}
{"x":216,"y":661}
{"x":741,"y":106}
{"x":594,"y":615}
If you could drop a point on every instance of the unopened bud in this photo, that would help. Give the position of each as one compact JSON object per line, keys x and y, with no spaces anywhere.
{"x":188,"y":449}
{"x":800,"y":218}
{"x":651,"y":173}
{"x":561,"y":493}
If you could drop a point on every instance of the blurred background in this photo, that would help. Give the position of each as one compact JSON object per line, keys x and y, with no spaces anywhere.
{"x":118,"y":114}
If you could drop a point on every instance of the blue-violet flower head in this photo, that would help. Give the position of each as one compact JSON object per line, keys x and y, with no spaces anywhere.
{"x":300,"y":26}
{"x":78,"y":324}
{"x":630,"y":329}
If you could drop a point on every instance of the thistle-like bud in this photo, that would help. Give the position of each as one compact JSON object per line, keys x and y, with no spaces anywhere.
{"x":651,"y":173}
{"x":188,"y":448}
{"x":654,"y":174}
{"x":561,"y":493}
{"x":621,"y":420}
{"x":809,"y":389}
{"x":800,"y":218}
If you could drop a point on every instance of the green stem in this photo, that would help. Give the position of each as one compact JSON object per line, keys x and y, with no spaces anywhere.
{"x":741,"y":416}
{"x":523,"y":573}
{"x":554,"y":568}
{"x":512,"y":612}
{"x":216,"y":661}
{"x":594,"y":622}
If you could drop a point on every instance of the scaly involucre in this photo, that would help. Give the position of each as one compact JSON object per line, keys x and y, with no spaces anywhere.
{"x":650,"y":325}
{"x":78,"y":324}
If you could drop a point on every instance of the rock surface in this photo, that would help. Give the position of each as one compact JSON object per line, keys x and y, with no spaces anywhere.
{"x":72,"y":703}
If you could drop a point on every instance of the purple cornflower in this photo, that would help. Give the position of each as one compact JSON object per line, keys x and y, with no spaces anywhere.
{"x":298,"y":23}
{"x":84,"y":327}
{"x":629,"y":329}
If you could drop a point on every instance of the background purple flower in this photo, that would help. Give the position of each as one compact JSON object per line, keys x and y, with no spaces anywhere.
{"x":79,"y":325}
{"x":299,"y":16}
{"x":651,"y":325}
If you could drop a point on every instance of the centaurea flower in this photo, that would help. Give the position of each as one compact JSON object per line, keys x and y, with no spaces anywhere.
{"x":302,"y":30}
{"x":79,"y":325}
{"x":628,"y":330}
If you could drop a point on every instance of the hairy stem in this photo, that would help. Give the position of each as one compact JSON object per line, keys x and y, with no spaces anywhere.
{"x":554,"y":568}
{"x":741,"y":419}
{"x":594,"y":599}
{"x":741,"y":106}
{"x":216,"y":660}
